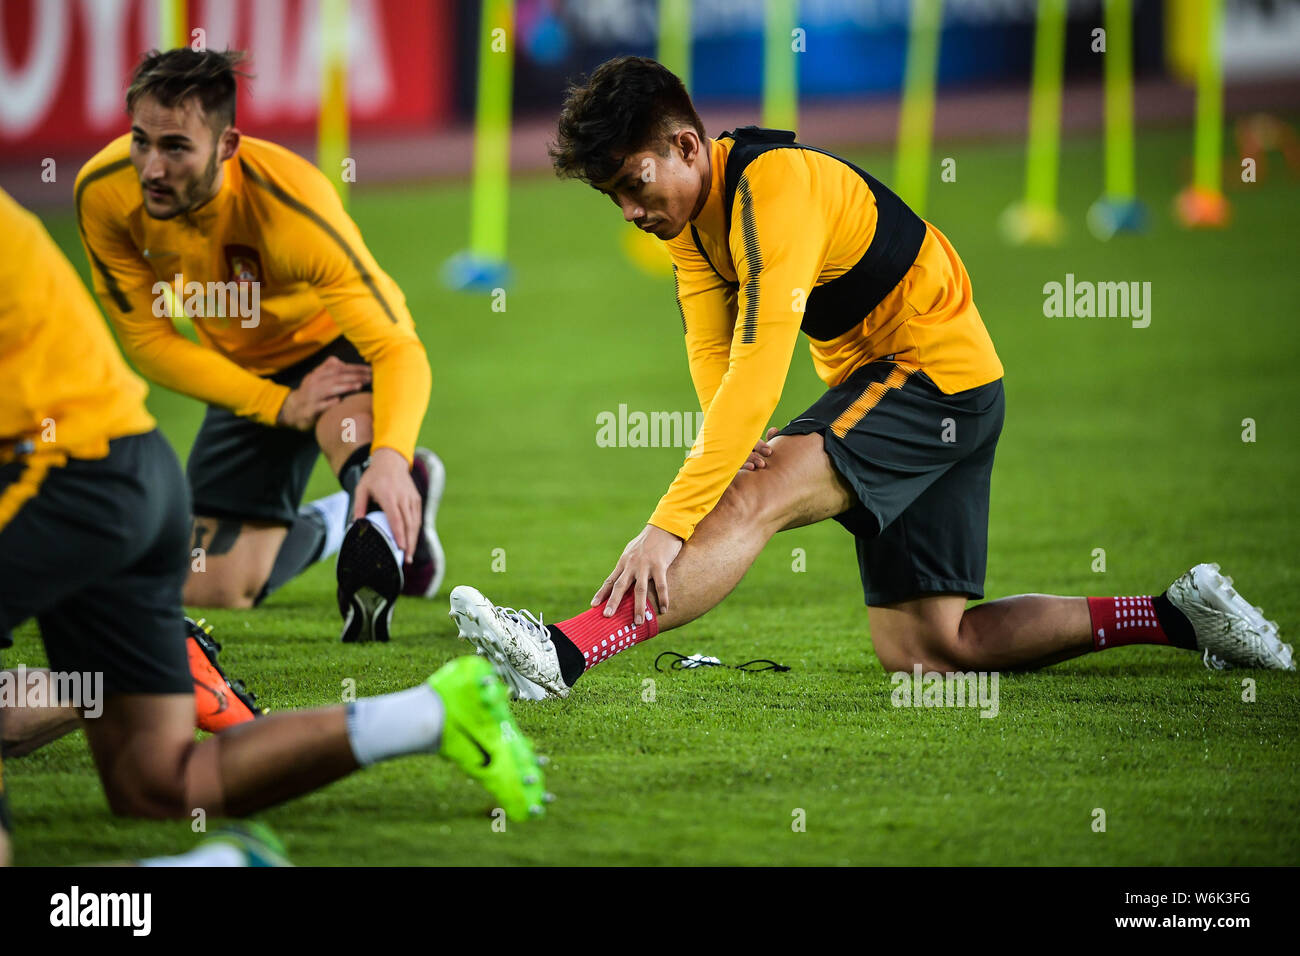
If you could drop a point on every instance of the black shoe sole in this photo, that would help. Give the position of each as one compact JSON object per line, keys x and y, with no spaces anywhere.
{"x":370,"y":579}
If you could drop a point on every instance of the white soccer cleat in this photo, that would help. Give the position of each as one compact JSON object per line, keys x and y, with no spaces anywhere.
{"x":518,"y":644}
{"x":1228,"y":629}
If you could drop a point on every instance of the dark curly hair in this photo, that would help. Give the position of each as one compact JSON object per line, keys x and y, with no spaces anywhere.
{"x":176,"y":75}
{"x":628,"y":104}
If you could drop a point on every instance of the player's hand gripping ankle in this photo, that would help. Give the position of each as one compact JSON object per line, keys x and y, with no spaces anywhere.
{"x":646,"y":558}
{"x":387,"y":482}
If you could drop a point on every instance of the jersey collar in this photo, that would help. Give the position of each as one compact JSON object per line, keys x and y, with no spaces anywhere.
{"x":711,"y":219}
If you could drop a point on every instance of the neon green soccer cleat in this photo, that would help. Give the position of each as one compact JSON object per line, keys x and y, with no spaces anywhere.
{"x":481,"y":737}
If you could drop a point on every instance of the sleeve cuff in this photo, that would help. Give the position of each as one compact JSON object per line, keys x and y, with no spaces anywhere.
{"x":683,"y":529}
{"x":410,"y":458}
{"x":268,"y":411}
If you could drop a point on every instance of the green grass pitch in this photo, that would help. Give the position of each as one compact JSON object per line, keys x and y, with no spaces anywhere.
{"x":1118,"y":438}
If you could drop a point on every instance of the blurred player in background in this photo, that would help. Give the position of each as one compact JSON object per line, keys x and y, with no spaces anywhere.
{"x":768,"y":238}
{"x":305,"y":346}
{"x":94,"y":533}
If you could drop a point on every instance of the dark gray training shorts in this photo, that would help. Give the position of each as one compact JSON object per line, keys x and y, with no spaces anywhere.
{"x":919,"y":462}
{"x":98,"y":555}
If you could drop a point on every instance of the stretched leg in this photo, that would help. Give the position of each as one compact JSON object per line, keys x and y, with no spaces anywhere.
{"x":938,"y":632}
{"x":1200,"y":612}
{"x":797,"y":487}
{"x":150,"y":765}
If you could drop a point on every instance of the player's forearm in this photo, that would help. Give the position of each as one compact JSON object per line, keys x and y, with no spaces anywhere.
{"x":174,"y":362}
{"x":708,"y":365}
{"x":733,"y":423}
{"x":402,"y":382}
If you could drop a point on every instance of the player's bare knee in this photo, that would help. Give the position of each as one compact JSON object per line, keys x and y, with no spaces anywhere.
{"x":219,"y":591}
{"x":152,"y":795}
{"x":895,"y":659}
{"x":740,"y":504}
{"x":933,"y":650}
{"x":754,"y":500}
{"x":964,"y":646}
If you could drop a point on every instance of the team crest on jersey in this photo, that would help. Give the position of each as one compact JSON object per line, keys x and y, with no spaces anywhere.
{"x":243,"y":264}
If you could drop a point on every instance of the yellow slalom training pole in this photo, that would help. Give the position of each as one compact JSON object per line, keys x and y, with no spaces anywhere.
{"x":646,"y":252}
{"x":916,"y":114}
{"x":483,"y":266}
{"x":1118,"y":209}
{"x":173,"y":33}
{"x":780,"y":72}
{"x":1202,"y":204}
{"x":173,"y":24}
{"x":332,"y":118}
{"x":675,"y":38}
{"x":1037,"y":219}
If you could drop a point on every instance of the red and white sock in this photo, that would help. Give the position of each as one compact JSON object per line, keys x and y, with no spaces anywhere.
{"x":1121,"y":621}
{"x":600,"y":638}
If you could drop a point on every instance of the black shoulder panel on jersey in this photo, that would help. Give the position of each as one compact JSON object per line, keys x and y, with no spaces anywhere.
{"x":836,"y":306}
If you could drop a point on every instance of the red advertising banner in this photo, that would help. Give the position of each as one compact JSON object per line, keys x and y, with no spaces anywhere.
{"x":64,"y":65}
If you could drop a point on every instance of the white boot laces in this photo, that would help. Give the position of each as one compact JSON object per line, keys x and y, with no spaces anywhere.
{"x":524,"y":618}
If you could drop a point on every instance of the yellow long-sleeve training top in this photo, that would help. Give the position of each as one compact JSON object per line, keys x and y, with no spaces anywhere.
{"x":66,"y":391}
{"x":790,"y":238}
{"x":275,"y":220}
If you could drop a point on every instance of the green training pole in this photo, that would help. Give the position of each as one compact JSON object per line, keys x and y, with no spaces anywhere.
{"x":675,"y":38}
{"x":1202,"y":204}
{"x":332,"y":117}
{"x":1209,"y":99}
{"x":173,"y":33}
{"x":1043,"y":154}
{"x":1121,"y":169}
{"x":1037,"y":219}
{"x":780,"y":75}
{"x":173,"y":24}
{"x":916,"y":114}
{"x":1118,"y":209}
{"x":487,"y":235}
{"x":645,"y":251}
{"x":482,"y":267}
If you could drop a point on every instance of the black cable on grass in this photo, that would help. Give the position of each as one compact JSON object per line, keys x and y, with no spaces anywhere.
{"x":684,"y":663}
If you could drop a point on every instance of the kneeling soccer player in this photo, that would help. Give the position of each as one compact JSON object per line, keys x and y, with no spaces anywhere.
{"x":292,"y":314}
{"x":219,"y":702}
{"x":899,"y":450}
{"x":94,"y":529}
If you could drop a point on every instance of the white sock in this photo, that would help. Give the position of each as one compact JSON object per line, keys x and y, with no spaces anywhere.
{"x":380,"y":521}
{"x":216,"y":854}
{"x":392,"y":725}
{"x":333,"y":509}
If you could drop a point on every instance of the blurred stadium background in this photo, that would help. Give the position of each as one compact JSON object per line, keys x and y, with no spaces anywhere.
{"x":413,"y":78}
{"x":1128,"y":440}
